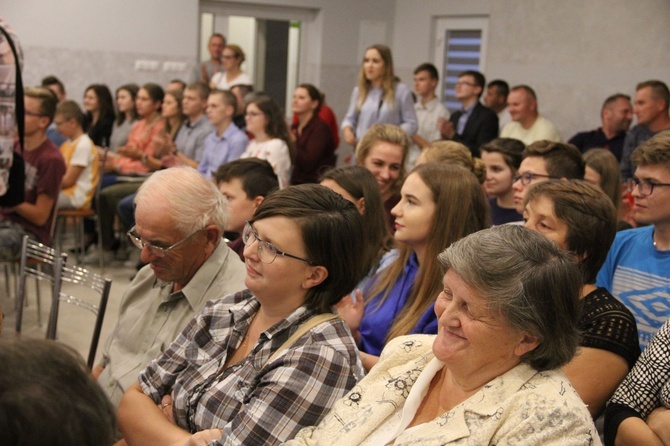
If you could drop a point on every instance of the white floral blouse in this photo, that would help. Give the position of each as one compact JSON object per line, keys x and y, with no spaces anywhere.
{"x":522,"y":406}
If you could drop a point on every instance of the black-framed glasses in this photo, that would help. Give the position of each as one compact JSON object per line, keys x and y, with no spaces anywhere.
{"x":157,"y":251}
{"x":644,"y":187}
{"x":527,"y":177}
{"x":267,"y":252}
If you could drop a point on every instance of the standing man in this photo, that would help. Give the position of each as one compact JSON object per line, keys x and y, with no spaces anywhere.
{"x":227,"y":142}
{"x":637,"y":268}
{"x":214,"y":65}
{"x":475,"y":124}
{"x":44,"y":167}
{"x":429,"y":110}
{"x":180,"y":218}
{"x":652,"y":99}
{"x":616,"y":115}
{"x":527,"y":124}
{"x":496,"y":99}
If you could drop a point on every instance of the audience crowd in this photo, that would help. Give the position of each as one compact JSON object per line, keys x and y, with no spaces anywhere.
{"x":471,"y":279}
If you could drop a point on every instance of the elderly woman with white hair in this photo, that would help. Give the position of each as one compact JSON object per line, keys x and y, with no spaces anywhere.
{"x":507,"y":322}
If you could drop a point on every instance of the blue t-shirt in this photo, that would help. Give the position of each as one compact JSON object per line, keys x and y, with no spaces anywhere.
{"x":638,"y":274}
{"x":377,"y":319}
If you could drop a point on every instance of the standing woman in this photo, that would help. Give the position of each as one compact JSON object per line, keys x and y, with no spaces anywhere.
{"x":314,"y":147}
{"x":100,"y":116}
{"x":440,"y":204}
{"x":232,"y":73}
{"x":502,"y":157}
{"x":126,"y":115}
{"x":383,"y":151}
{"x":271,"y":142}
{"x":378,"y":98}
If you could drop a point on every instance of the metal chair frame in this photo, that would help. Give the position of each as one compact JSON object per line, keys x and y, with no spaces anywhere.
{"x":79,"y":276}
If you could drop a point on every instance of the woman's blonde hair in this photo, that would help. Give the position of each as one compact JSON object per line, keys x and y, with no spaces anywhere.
{"x":389,"y":133}
{"x":388,"y":78}
{"x":461,"y":208}
{"x":451,"y":152}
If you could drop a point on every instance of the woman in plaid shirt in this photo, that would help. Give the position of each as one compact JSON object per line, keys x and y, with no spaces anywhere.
{"x":219,"y":382}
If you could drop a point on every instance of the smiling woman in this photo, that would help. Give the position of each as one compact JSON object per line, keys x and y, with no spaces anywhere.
{"x":507,"y":320}
{"x":234,"y":370}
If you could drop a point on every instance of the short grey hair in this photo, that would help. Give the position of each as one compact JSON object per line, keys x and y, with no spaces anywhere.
{"x":194,"y":201}
{"x":528,"y":281}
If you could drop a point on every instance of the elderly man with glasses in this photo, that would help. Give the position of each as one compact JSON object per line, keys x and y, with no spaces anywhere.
{"x":637,"y":268}
{"x":180,"y":218}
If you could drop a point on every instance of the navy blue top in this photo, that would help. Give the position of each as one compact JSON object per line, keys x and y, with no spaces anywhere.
{"x":377,"y":319}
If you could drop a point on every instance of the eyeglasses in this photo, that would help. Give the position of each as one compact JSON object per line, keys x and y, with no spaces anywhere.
{"x":157,"y":251}
{"x":266,"y":250}
{"x":644,"y":187}
{"x":527,"y":177}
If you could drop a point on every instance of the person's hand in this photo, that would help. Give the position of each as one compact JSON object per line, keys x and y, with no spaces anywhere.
{"x":163,"y":145}
{"x":203,"y":438}
{"x":166,"y":407}
{"x":351,"y":310}
{"x":446,"y":128}
{"x":659,"y":422}
{"x":349,"y":136}
{"x":132,"y":152}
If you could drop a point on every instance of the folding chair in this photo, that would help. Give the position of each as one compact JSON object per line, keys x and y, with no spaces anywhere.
{"x":77,"y":217}
{"x":35,"y":257}
{"x":79,"y":276}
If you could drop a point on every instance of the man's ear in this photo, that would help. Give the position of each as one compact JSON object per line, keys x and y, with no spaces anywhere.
{"x":257,"y":201}
{"x":317,"y":275}
{"x":213,"y":234}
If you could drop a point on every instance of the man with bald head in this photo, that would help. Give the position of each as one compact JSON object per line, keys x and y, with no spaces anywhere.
{"x":527,"y":124}
{"x":180,"y":218}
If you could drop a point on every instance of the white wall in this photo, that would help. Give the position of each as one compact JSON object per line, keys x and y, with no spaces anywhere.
{"x":83,"y":41}
{"x":574,"y":53}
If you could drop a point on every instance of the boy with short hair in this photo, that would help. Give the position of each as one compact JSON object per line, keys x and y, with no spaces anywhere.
{"x":81,"y":157}
{"x":245,"y":183}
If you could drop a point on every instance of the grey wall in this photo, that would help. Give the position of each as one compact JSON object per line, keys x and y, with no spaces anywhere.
{"x":574,"y":52}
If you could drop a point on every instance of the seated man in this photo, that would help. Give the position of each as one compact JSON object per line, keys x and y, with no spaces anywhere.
{"x":244,"y":183}
{"x":227,"y":142}
{"x":48,"y":397}
{"x":496,"y":99}
{"x":44,"y":167}
{"x":180,"y":218}
{"x":543,"y":161}
{"x":527,"y":124}
{"x":637,"y":268}
{"x":81,"y":158}
{"x":616,"y":115}
{"x":58,"y":89}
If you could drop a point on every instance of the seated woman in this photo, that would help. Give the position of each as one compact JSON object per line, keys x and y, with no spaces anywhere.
{"x":314,"y":147}
{"x":602,"y":169}
{"x":454,"y":153}
{"x":440,"y":204}
{"x":126,"y":115}
{"x":502,"y":158}
{"x":265,"y":121}
{"x":357,"y":184}
{"x":173,"y":117}
{"x":507,"y":314}
{"x":100,"y":115}
{"x":638,"y":413}
{"x":383,"y":151}
{"x":257,"y":366}
{"x":580,"y":218}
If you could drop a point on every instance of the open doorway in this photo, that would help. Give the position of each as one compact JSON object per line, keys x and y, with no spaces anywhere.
{"x":271,"y":38}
